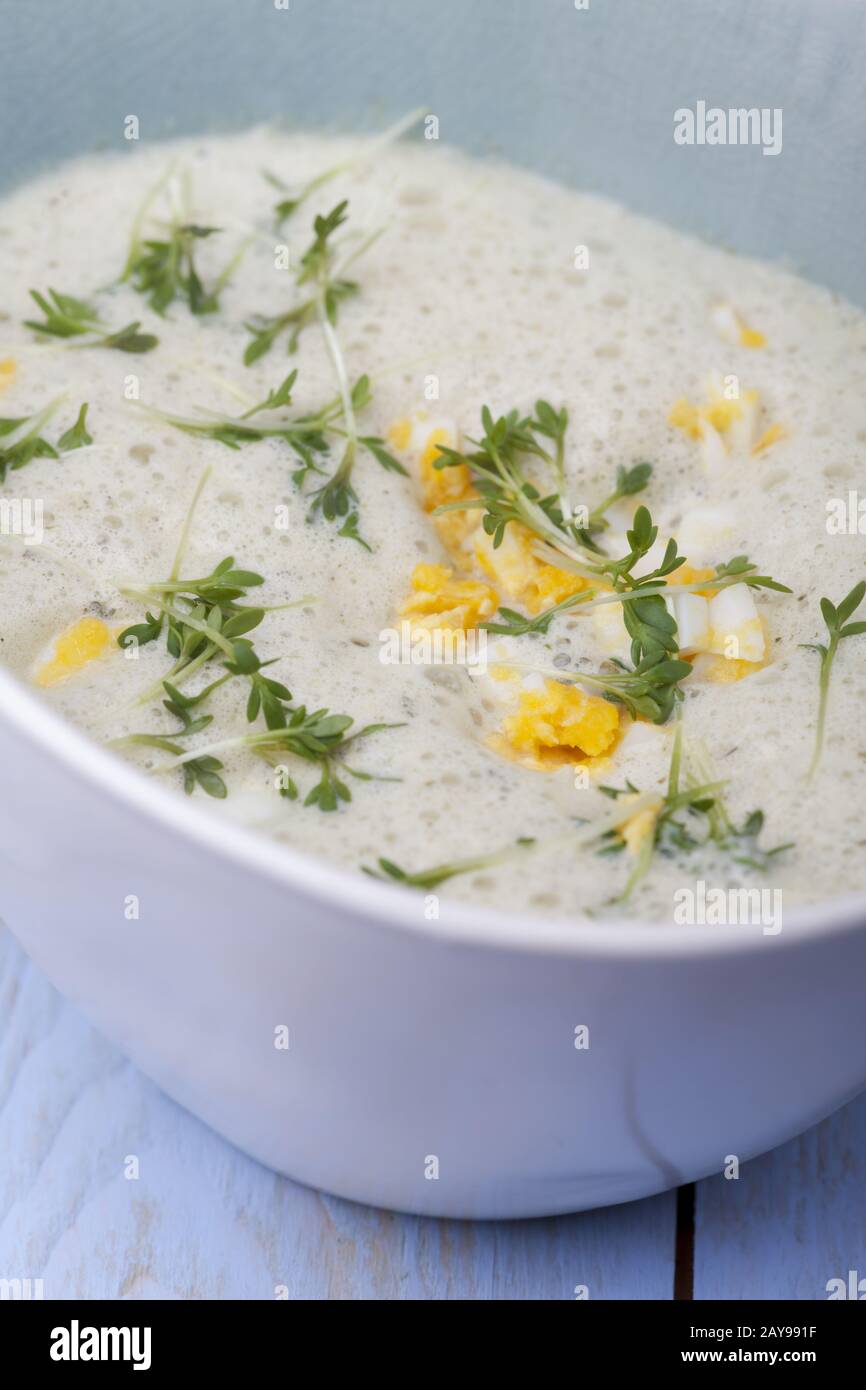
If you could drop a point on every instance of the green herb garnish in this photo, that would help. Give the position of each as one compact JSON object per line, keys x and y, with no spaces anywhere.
{"x":838,"y":627}
{"x":165,"y":270}
{"x":692,"y":800}
{"x":289,"y":204}
{"x":67,"y":317}
{"x":317,"y":737}
{"x":21,"y":437}
{"x":498,"y":467}
{"x":690,"y":816}
{"x":198,"y":772}
{"x":574,"y":838}
{"x":629,"y":482}
{"x":163,"y":267}
{"x":321,"y":267}
{"x":77,"y":436}
{"x":309,"y":437}
{"x":441,"y":873}
{"x":202,"y":622}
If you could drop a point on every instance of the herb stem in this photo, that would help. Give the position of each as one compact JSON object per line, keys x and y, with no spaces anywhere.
{"x":823,"y":696}
{"x":139,"y":220}
{"x":183,"y":542}
{"x":575,"y":838}
{"x":179,"y":674}
{"x":33,"y":423}
{"x":836,"y":618}
{"x":335,"y":353}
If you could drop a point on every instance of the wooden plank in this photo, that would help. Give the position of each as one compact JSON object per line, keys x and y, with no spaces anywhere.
{"x":203,"y":1221}
{"x":794,"y":1219}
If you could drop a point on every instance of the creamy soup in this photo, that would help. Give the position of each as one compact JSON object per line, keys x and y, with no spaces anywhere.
{"x":739,"y":384}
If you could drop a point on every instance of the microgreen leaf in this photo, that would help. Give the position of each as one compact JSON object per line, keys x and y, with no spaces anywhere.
{"x":67,"y":317}
{"x":835,"y":619}
{"x":21,"y":437}
{"x":77,"y":436}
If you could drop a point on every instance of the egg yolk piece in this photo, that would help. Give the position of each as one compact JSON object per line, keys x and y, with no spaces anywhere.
{"x":564,"y":720}
{"x":74,"y":649}
{"x":419,"y":437}
{"x":693,"y":574}
{"x":519,"y":574}
{"x":734,"y":329}
{"x":724,"y":425}
{"x":638,"y":829}
{"x":8,"y":369}
{"x":439,"y":600}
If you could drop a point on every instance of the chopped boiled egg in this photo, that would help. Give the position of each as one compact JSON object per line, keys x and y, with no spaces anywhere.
{"x":722,"y":670}
{"x":439,"y":600}
{"x":555,"y":723}
{"x":517,"y":571}
{"x":8,"y":369}
{"x":419,"y":437}
{"x":610,"y":630}
{"x":735,"y":626}
{"x":768,"y":438}
{"x":512,"y":565}
{"x":726,"y":424}
{"x":734,"y":329}
{"x":74,"y":649}
{"x":692,"y":616}
{"x":637,"y":830}
{"x":694,"y":574}
{"x":725,"y":622}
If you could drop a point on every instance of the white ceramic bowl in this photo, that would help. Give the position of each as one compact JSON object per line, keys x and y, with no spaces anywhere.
{"x":450,"y":1040}
{"x":411,"y":1040}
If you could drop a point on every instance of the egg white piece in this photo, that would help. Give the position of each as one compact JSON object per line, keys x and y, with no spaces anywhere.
{"x":610,"y":631}
{"x":691,"y":612}
{"x":706,"y":532}
{"x":724,"y":318}
{"x":735,"y":625}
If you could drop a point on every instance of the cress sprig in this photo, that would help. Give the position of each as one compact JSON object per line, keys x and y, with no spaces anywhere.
{"x":309,"y":437}
{"x":322,"y":266}
{"x":21,"y":437}
{"x":203,"y":621}
{"x":64,"y":316}
{"x":162,"y":267}
{"x":198,"y":771}
{"x":316,"y":736}
{"x":497,"y":466}
{"x":507,"y":494}
{"x":838,"y":627}
{"x":293,"y":198}
{"x":323,"y":269}
{"x":578,"y":836}
{"x":650,"y":689}
{"x":690,"y":816}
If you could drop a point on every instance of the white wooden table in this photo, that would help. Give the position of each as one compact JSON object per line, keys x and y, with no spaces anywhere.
{"x":203,"y":1221}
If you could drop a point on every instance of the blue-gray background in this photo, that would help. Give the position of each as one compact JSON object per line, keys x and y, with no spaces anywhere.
{"x":587,"y":96}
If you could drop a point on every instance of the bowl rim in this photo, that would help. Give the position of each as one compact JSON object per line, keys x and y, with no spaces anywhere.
{"x":390,"y":905}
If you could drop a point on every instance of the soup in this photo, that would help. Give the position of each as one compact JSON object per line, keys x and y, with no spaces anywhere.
{"x":439,"y":521}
